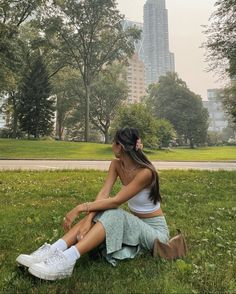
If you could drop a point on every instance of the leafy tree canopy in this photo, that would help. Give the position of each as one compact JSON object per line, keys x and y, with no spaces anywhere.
{"x":221,"y":33}
{"x":92,"y":37}
{"x":137,"y":116}
{"x":36,"y":108}
{"x":108,"y":92}
{"x":171,"y":99}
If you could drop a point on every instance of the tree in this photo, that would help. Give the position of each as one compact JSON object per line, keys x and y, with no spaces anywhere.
{"x":229,"y":101}
{"x":93,"y":36}
{"x":137,"y":116}
{"x":221,"y":43}
{"x":12,"y":15}
{"x":67,"y":87}
{"x":36,"y":108}
{"x":165,"y":132}
{"x":221,"y":48}
{"x":27,"y":43}
{"x":171,"y":99}
{"x":107,"y":93}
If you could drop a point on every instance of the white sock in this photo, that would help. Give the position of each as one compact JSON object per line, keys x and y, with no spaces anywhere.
{"x":72,"y":254}
{"x":60,"y":244}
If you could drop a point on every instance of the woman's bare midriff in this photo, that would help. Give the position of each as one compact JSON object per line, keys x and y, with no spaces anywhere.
{"x":149,"y":215}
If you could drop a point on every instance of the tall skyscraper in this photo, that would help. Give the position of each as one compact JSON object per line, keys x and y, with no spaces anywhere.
{"x":138,"y":44}
{"x":157,"y":57}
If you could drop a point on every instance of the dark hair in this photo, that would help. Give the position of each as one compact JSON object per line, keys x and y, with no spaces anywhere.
{"x":127,"y":138}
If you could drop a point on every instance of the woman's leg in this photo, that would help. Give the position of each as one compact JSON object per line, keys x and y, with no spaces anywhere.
{"x":71,"y":236}
{"x":92,"y":239}
{"x":61,"y":264}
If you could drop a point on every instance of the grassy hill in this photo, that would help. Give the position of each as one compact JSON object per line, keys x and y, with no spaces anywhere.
{"x":50,"y":149}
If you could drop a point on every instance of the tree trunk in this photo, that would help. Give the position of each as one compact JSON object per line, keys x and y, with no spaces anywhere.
{"x":59,"y":134}
{"x":106,"y":136}
{"x":15,"y":123}
{"x":191,"y":144}
{"x":58,"y":126}
{"x":87,"y":130}
{"x":15,"y":115}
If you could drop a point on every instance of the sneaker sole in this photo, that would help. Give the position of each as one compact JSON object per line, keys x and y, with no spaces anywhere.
{"x":51,"y":277}
{"x":24,"y":263}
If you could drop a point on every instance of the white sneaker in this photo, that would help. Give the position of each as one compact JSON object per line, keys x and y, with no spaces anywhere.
{"x":37,"y":256}
{"x":57,"y":266}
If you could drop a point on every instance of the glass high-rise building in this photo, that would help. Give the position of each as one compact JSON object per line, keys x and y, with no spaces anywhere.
{"x":157,"y":57}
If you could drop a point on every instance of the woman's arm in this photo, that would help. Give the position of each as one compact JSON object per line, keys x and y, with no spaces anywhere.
{"x":141,"y":180}
{"x":107,"y":187}
{"x":103,"y":194}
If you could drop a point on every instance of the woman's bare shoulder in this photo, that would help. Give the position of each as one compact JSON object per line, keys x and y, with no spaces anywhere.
{"x":115,"y":162}
{"x":145,"y":174}
{"x":145,"y":171}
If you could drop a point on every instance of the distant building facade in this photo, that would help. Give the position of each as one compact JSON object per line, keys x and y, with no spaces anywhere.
{"x":135,"y":79}
{"x":217,"y":116}
{"x":157,"y":57}
{"x":136,"y":68}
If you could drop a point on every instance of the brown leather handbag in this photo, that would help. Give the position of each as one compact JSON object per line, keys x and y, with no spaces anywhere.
{"x":174,"y":249}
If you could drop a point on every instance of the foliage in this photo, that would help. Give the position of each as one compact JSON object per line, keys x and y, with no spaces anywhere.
{"x":36,"y":109}
{"x":221,"y":43}
{"x":12,"y":15}
{"x":171,"y":99}
{"x":92,"y":34}
{"x":229,"y":101}
{"x":107,"y":93}
{"x":138,"y":116}
{"x":225,"y":137}
{"x":214,"y":138}
{"x":85,"y":36}
{"x":69,"y":96}
{"x":33,"y":205}
{"x":221,"y":48}
{"x":165,"y":132}
{"x":27,"y":43}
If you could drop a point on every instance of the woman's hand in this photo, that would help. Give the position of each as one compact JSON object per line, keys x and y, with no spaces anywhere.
{"x":70,"y":217}
{"x":84,"y":227}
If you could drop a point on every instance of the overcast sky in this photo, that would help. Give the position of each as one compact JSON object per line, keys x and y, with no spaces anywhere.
{"x":185,"y":36}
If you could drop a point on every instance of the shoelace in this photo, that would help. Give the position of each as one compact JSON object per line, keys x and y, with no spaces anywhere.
{"x":56,"y":256}
{"x":42,"y":250}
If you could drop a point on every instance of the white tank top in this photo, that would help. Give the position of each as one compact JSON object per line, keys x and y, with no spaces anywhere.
{"x":140,"y":203}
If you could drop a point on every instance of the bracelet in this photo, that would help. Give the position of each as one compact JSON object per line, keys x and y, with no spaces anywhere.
{"x":86,"y":204}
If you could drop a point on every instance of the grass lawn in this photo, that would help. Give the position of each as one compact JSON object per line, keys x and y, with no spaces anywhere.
{"x":201,"y":203}
{"x":20,"y":149}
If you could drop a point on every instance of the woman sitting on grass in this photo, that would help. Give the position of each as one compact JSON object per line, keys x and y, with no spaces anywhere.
{"x":124,"y":234}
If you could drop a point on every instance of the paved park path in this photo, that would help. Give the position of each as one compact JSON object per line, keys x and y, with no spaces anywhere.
{"x":103,"y":165}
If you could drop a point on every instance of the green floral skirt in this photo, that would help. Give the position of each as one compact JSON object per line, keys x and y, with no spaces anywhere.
{"x":127,"y":235}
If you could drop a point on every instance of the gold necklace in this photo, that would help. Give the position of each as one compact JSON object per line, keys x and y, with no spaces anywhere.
{"x":129,"y":169}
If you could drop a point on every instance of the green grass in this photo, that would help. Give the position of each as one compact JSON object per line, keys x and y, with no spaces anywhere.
{"x":201,"y":203}
{"x":21,"y":149}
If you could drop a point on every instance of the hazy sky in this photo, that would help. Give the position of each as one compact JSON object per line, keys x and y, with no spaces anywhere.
{"x":185,"y":36}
